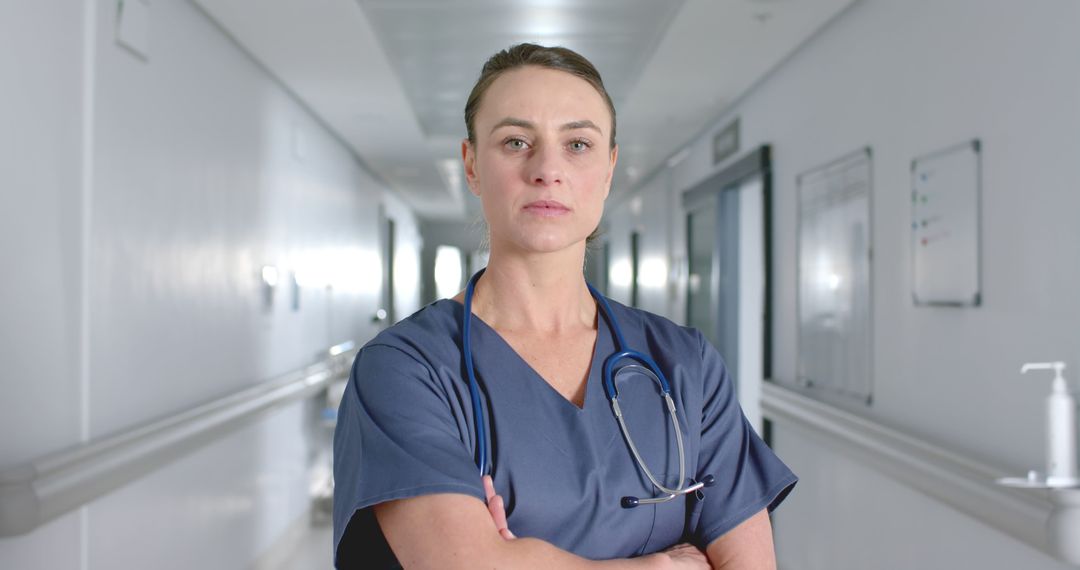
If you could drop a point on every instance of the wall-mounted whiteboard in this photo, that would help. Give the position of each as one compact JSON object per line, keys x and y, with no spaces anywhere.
{"x":834,"y":301}
{"x":945,"y":227}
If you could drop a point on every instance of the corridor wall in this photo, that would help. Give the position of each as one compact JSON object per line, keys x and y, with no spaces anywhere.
{"x":140,"y":200}
{"x":907,"y":78}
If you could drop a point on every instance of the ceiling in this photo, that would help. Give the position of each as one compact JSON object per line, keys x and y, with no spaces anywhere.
{"x":390,"y":77}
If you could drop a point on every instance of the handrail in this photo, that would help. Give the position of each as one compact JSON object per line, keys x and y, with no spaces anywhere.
{"x":965,"y":484}
{"x":38,"y":491}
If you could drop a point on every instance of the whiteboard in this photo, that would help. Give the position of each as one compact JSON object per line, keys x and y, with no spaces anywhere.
{"x":945,"y":188}
{"x":834,"y":301}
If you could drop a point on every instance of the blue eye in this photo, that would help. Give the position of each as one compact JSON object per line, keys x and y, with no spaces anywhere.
{"x":515,"y":144}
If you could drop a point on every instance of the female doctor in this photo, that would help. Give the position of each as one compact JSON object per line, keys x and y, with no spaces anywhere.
{"x":513,"y":435}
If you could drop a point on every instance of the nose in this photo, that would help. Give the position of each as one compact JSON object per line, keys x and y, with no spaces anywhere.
{"x":545,"y":166}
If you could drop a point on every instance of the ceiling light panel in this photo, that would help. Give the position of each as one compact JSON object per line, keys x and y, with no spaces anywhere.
{"x":438,"y":47}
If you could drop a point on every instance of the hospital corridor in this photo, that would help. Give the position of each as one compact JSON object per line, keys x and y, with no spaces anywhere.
{"x":241,"y":240}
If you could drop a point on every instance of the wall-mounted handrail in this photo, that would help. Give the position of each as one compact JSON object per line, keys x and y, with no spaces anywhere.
{"x":36,"y":492}
{"x":964,"y":484}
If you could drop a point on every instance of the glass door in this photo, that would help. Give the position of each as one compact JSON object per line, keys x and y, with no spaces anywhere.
{"x":727,"y":286}
{"x":712,"y":301}
{"x":701,"y":242}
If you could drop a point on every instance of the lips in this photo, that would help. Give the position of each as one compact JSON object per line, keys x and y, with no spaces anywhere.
{"x":546,"y":208}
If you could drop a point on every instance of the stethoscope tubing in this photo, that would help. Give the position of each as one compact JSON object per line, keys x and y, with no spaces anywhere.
{"x":474,"y":388}
{"x":482,"y":453}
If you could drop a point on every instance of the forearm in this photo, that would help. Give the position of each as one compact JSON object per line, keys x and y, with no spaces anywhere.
{"x":748,"y":546}
{"x":455,"y":531}
{"x":530,"y":553}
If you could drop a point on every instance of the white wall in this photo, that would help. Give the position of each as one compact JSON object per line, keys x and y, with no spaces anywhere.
{"x":908,"y":78}
{"x":139,"y":201}
{"x":847,"y":515}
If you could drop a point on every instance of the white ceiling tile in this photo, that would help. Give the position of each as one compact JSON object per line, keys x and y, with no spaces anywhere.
{"x":391,"y":76}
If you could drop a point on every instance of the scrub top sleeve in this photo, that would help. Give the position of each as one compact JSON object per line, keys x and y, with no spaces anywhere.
{"x":396,"y":437}
{"x":749,"y":476}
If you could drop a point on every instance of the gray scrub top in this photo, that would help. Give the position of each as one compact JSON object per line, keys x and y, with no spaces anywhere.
{"x":406,"y":428}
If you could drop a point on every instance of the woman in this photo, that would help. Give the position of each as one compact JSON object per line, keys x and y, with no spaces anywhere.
{"x":540,"y":154}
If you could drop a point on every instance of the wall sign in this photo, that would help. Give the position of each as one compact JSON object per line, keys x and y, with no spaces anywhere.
{"x":725,"y":143}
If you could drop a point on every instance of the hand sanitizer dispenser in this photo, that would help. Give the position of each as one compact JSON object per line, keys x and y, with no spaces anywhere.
{"x":1061,"y":428}
{"x":1061,"y":436}
{"x":1061,"y":485}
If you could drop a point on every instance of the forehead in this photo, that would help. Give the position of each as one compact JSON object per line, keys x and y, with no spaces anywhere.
{"x":541,"y":95}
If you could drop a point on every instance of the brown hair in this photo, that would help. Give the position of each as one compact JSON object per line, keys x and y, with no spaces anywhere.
{"x":521,"y":55}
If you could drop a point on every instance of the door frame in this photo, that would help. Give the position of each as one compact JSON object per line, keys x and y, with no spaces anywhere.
{"x":757,"y":162}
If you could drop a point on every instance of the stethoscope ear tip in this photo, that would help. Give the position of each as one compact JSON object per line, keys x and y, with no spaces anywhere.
{"x":629,"y":502}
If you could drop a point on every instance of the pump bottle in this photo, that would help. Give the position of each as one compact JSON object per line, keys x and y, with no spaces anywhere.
{"x":1061,"y":426}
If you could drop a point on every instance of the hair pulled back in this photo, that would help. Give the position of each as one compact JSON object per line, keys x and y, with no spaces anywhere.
{"x":522,"y":55}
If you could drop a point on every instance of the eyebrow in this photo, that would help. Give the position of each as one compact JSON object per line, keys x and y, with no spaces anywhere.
{"x":572,"y":125}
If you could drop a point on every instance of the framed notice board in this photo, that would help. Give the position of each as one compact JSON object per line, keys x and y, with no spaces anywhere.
{"x":834,"y":295}
{"x":945,"y":229}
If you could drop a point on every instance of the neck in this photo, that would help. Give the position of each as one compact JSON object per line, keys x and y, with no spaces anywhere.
{"x":541,"y":293}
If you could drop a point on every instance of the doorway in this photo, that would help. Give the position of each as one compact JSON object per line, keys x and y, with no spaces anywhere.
{"x":728,"y":254}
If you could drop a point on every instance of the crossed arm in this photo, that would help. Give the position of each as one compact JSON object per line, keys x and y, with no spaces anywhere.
{"x":457,"y":531}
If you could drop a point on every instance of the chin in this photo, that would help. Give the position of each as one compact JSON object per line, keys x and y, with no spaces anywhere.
{"x":548,"y":243}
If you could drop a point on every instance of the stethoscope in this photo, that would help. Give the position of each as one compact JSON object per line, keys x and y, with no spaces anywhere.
{"x":640,"y":362}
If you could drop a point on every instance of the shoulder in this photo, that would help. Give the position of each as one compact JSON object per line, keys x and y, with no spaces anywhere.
{"x":419,"y":345}
{"x":434,"y":327}
{"x":672,"y":346}
{"x":655,"y":330}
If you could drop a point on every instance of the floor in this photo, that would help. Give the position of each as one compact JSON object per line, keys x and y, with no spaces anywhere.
{"x":311,"y":552}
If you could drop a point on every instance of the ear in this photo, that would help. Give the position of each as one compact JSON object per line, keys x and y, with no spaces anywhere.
{"x":611,"y":170}
{"x":468,"y":159}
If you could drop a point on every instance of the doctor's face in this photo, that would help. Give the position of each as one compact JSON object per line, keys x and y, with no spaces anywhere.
{"x":541,"y":163}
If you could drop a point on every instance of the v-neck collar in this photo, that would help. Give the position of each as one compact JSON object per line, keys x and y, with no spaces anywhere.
{"x":595,"y":364}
